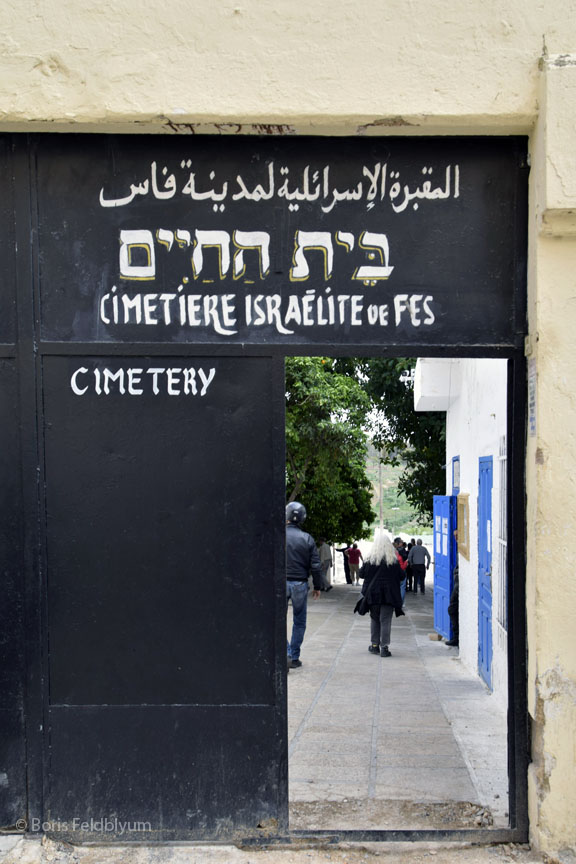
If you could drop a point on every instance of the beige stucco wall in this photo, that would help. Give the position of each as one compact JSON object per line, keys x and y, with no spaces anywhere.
{"x":551,"y":460}
{"x":370,"y":67}
{"x":398,"y":64}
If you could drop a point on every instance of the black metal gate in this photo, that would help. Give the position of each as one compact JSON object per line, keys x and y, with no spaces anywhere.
{"x":151,"y":288}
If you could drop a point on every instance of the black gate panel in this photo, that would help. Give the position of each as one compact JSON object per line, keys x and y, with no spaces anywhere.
{"x":7,"y":246}
{"x":12,"y":742}
{"x":13,"y":803}
{"x":159,"y":284}
{"x":167,"y":772}
{"x":160,"y":572}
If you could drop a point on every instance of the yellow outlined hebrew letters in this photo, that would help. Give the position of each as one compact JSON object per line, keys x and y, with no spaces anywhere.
{"x":130,"y":240}
{"x":320,"y":241}
{"x":259,"y":240}
{"x":344,"y":238}
{"x":374,"y":272}
{"x":211,"y":239}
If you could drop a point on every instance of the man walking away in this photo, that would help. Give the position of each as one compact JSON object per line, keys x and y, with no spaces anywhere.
{"x":301,"y":559}
{"x":326,"y":564}
{"x":354,"y":557}
{"x":419,"y":561}
{"x":344,"y":552}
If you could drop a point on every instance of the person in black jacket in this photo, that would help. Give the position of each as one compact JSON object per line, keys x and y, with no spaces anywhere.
{"x":301,"y":559}
{"x":382,"y":576}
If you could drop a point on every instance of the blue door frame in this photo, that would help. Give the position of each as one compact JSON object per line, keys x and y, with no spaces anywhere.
{"x":444,"y":560}
{"x":485,"y":476}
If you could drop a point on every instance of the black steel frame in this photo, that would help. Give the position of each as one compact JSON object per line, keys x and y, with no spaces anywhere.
{"x":30,"y":352}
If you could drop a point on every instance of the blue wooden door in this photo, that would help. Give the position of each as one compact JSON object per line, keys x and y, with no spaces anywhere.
{"x":444,"y":557}
{"x":485,"y":569}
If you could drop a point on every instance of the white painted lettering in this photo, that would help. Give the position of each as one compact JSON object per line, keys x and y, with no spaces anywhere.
{"x":117,"y":376}
{"x":372,"y":313}
{"x":342,"y":301}
{"x":195,"y":310}
{"x":190,"y":382}
{"x":166,"y":299}
{"x":73,"y":381}
{"x":415,"y":309}
{"x":103,"y":303}
{"x":293,"y":311}
{"x":273,"y":313}
{"x":400,"y":306}
{"x":357,"y":308}
{"x":134,"y":379}
{"x":173,"y":381}
{"x":132,"y":304}
{"x":206,"y":379}
{"x":307,"y":306}
{"x":155,"y":373}
{"x":430,"y":318}
{"x":150,"y":307}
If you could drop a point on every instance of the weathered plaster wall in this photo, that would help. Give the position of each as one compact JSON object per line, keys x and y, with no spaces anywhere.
{"x":298,"y":64}
{"x":403,"y":67}
{"x":551,"y":463}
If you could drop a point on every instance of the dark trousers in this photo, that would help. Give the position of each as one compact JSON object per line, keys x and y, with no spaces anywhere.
{"x":419,"y":574}
{"x":453,"y":611}
{"x":381,"y":624}
{"x":409,"y":578}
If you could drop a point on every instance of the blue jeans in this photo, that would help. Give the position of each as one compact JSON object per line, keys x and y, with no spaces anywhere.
{"x":403,"y":589}
{"x":298,"y":593}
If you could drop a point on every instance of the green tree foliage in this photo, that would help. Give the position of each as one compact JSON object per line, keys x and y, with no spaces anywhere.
{"x":416,"y":439}
{"x":326,"y":448}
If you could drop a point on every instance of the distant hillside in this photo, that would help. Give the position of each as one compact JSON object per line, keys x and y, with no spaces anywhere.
{"x":397,"y":515}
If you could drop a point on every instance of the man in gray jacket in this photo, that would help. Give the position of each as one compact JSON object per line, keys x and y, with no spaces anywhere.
{"x":419,"y":561}
{"x":301,"y":559}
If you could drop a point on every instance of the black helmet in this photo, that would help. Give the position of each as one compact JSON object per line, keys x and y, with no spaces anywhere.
{"x":295,"y":513}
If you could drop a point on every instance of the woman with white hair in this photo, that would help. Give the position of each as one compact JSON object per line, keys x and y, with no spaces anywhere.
{"x":382,"y":576}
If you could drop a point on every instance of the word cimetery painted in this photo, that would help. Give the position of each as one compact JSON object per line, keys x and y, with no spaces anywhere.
{"x":137,"y":381}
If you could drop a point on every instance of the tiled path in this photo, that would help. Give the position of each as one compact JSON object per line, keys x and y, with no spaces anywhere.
{"x":412,"y":740}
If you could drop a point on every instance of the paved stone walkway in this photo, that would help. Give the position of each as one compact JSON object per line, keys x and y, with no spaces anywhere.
{"x":409,"y":741}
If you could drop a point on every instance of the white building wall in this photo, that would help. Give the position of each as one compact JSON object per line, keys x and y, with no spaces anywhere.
{"x":473,"y":393}
{"x":476,"y":424}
